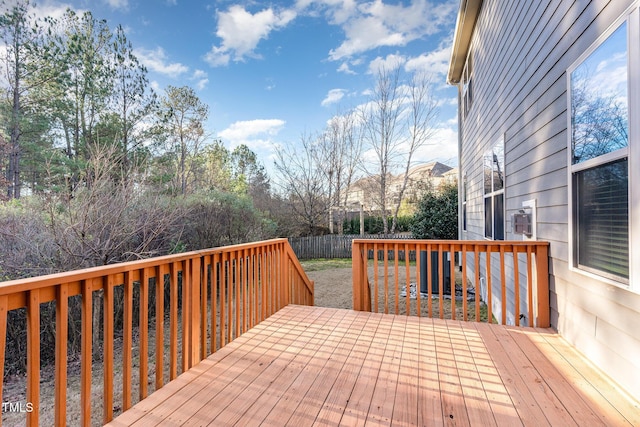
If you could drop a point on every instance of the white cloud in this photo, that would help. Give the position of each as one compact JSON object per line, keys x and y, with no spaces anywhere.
{"x":375,"y":24}
{"x":391,"y":62}
{"x":52,"y":9}
{"x":201,"y":78}
{"x":433,"y":62}
{"x":241,"y":31}
{"x":334,"y":95}
{"x":442,"y":146}
{"x":157,"y":60}
{"x":344,"y":68}
{"x":118,"y":4}
{"x":256,"y":134}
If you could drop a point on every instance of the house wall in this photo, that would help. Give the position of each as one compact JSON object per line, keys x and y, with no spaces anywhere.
{"x":521,"y":53}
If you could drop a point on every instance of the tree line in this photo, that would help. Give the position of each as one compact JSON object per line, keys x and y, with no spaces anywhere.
{"x":114,"y":171}
{"x":96,"y":167}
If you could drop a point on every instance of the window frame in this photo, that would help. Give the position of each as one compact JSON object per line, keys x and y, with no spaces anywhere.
{"x":494,"y":193}
{"x":632,"y":152}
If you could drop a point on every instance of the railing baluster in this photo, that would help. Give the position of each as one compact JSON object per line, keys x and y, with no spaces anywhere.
{"x":214,"y":302}
{"x":173,"y":322}
{"x":489,"y":288}
{"x":224,"y":278}
{"x":204,"y":318}
{"x":452,"y":280}
{"x":86,"y":353}
{"x":107,"y":306}
{"x":418,"y":281}
{"x":238,"y":288}
{"x":503,"y":286}
{"x":127,"y":341}
{"x":144,"y":332}
{"x":530,"y":287}
{"x":476,"y":259}
{"x":407,"y":280}
{"x":385,"y":258}
{"x":465,"y":305}
{"x":230,"y":286}
{"x":160,"y":273}
{"x":245,"y":299}
{"x":441,"y":280}
{"x":375,"y":277}
{"x":33,"y":356}
{"x":186,"y":314}
{"x":62,"y":334}
{"x":195,"y":325}
{"x":516,"y":289}
{"x":429,"y":282}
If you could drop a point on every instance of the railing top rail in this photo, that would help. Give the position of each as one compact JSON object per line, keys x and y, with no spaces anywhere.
{"x":31,"y":283}
{"x":455,"y":242}
{"x":298,"y":267}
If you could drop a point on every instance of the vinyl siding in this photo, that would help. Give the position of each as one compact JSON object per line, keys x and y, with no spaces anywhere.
{"x":521,"y":53}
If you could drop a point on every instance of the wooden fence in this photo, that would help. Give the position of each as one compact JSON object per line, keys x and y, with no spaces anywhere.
{"x":331,"y":245}
{"x":223,"y":292}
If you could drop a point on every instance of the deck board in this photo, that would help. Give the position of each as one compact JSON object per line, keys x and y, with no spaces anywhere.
{"x":321,"y":366}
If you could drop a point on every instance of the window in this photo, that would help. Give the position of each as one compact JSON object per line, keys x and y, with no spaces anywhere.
{"x":467,"y":85}
{"x":493,"y":167}
{"x":599,"y":158}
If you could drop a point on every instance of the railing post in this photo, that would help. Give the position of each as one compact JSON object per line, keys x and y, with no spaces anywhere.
{"x":357,"y":281}
{"x":194,"y":350}
{"x":542,"y":286}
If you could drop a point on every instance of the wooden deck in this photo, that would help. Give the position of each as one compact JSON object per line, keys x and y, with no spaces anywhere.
{"x":320,"y":366}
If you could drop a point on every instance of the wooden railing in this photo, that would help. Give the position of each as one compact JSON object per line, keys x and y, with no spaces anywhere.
{"x":495,"y":276}
{"x":222,"y":292}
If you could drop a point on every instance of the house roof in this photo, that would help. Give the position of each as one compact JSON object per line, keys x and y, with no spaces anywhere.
{"x":467,"y":16}
{"x":433,"y":169}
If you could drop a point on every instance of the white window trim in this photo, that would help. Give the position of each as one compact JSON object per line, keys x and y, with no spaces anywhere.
{"x":632,"y":151}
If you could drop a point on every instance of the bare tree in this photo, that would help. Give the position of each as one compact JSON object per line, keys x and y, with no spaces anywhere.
{"x":397,"y":121}
{"x":339,"y":150}
{"x":302,"y":179}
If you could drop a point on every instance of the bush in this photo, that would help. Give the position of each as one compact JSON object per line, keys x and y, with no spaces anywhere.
{"x":374,"y":225}
{"x":437,"y":215}
{"x":217,"y":218}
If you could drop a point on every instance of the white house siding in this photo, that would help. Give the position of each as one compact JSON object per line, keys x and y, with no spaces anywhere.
{"x":521,"y":53}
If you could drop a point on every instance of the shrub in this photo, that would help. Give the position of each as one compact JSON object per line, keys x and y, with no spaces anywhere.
{"x":437,"y":215}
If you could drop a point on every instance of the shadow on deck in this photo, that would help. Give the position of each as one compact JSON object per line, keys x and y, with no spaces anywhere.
{"x":321,"y":366}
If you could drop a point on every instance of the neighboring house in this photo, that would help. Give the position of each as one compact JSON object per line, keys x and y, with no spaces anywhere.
{"x":549,"y":123}
{"x":366,"y":191}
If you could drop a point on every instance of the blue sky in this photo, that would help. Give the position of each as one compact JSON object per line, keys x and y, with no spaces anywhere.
{"x":273,"y":71}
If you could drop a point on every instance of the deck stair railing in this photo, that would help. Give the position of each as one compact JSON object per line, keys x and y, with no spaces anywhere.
{"x":223,"y":291}
{"x":509,"y":279}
